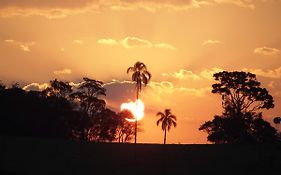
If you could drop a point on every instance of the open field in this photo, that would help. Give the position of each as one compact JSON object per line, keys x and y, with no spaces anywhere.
{"x":49,"y":156}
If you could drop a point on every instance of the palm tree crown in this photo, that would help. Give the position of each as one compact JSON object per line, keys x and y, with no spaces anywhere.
{"x":140,"y":75}
{"x":167,"y":119}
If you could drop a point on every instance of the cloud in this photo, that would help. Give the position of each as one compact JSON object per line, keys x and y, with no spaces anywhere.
{"x":75,"y":85}
{"x":123,"y":91}
{"x":61,"y":8}
{"x":166,"y":87}
{"x":266,"y":50}
{"x":275,"y":73}
{"x":240,"y":3}
{"x":108,"y":41}
{"x":35,"y":87}
{"x":77,"y":41}
{"x":64,"y":71}
{"x":165,"y":46}
{"x":49,"y":9}
{"x":183,"y":74}
{"x":24,"y":46}
{"x":134,"y":42}
{"x":211,"y":42}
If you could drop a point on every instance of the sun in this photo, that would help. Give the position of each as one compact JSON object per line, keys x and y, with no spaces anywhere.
{"x":137,"y":109}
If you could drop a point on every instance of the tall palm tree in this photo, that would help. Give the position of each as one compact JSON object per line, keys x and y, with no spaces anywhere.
{"x":168,"y":120}
{"x":140,"y":76}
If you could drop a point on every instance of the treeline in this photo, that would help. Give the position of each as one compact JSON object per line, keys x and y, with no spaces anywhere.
{"x":63,"y":111}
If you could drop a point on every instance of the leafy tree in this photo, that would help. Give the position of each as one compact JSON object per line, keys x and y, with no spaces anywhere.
{"x":87,"y":96}
{"x":104,"y":126}
{"x":87,"y":100}
{"x":125,"y":129}
{"x":58,"y":89}
{"x":168,"y":120}
{"x":242,"y":102}
{"x":140,"y":76}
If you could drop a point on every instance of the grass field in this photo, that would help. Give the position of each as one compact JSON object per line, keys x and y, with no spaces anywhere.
{"x":49,"y":156}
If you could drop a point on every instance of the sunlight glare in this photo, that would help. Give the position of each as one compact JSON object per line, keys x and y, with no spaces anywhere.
{"x":137,"y":109}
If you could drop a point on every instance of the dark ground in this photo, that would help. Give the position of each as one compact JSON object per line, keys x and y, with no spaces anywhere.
{"x":24,"y":156}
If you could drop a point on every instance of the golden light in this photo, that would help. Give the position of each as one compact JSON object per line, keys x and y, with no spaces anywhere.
{"x":137,"y":109}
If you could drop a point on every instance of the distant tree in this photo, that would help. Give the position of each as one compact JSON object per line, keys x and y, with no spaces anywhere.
{"x":58,"y":89}
{"x":242,"y":102}
{"x":86,"y":99}
{"x":104,"y":127}
{"x":125,"y":129}
{"x":140,"y":76}
{"x":87,"y":96}
{"x":168,"y":120}
{"x":32,"y":114}
{"x":2,"y":86}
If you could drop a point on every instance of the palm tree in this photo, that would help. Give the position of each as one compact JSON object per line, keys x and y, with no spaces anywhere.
{"x":168,"y":120}
{"x":140,"y":76}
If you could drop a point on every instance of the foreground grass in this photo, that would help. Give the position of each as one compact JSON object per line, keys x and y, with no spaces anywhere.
{"x":50,"y":156}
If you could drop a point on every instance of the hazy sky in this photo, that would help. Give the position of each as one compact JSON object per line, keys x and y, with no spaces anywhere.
{"x":182,"y":42}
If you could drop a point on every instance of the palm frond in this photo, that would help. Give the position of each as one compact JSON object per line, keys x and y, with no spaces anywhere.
{"x":148,"y":74}
{"x":130,"y":69}
{"x":160,"y":114}
{"x":174,"y":123}
{"x":173,"y":117}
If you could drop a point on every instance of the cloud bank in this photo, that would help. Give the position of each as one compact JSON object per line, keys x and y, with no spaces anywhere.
{"x":134,"y":42}
{"x":62,"y":8}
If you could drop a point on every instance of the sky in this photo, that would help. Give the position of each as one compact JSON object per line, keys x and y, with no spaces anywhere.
{"x":182,"y":43}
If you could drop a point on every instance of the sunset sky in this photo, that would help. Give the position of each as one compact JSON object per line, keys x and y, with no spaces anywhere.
{"x":182,"y":42}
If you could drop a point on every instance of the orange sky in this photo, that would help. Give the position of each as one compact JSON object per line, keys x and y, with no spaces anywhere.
{"x":182,"y":42}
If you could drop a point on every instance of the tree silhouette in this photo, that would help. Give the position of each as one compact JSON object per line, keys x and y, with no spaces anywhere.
{"x":168,"y":120}
{"x":140,"y":76}
{"x":242,"y":101}
{"x":33,"y":114}
{"x":87,"y":96}
{"x":86,"y":99}
{"x":125,"y":128}
{"x":277,"y":121}
{"x":2,"y":86}
{"x":58,"y":89}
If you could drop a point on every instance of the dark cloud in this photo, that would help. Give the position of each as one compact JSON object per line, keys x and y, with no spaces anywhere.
{"x":118,"y":92}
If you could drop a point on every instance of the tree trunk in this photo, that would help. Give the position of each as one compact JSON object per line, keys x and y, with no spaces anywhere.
{"x":165,"y":135}
{"x":136,"y":122}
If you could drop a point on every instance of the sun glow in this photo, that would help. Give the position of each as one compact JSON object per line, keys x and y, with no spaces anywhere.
{"x":137,"y":109}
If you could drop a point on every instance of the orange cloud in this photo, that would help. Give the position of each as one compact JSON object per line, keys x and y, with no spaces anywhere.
{"x":266,"y":50}
{"x":24,"y":46}
{"x":275,"y":73}
{"x":134,"y":42}
{"x":64,"y":71}
{"x":35,"y":87}
{"x":211,"y":42}
{"x":183,"y":74}
{"x":59,"y":8}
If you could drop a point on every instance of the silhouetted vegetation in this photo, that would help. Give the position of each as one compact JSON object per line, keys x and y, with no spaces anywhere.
{"x":126,"y":129}
{"x":140,"y":76}
{"x":60,"y":111}
{"x":243,"y":98}
{"x":168,"y":121}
